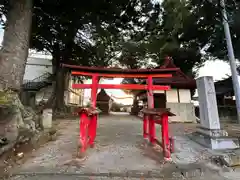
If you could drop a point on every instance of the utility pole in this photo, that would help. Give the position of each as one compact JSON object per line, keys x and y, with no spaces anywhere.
{"x":232,"y":59}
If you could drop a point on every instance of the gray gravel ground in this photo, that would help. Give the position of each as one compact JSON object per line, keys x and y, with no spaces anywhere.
{"x":119,"y":152}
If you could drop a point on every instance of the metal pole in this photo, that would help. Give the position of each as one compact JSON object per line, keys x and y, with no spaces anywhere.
{"x":232,"y":59}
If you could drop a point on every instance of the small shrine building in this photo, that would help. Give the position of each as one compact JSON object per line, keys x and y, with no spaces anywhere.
{"x":178,"y":98}
{"x":104,"y":102}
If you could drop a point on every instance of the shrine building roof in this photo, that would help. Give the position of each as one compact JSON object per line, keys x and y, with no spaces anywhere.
{"x":178,"y":79}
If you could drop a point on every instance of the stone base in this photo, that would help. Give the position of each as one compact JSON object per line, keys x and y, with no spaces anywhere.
{"x":213,"y":132}
{"x":227,"y":158}
{"x":215,"y":139}
{"x":47,"y":119}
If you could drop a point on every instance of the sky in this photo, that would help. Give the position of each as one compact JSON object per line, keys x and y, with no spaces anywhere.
{"x":218,"y":69}
{"x":114,"y":93}
{"x":1,"y":34}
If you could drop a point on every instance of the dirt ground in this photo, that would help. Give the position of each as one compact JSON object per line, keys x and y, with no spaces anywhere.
{"x":119,"y":153}
{"x":23,"y":151}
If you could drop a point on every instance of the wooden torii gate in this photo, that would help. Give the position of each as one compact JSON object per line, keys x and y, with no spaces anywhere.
{"x":88,"y":116}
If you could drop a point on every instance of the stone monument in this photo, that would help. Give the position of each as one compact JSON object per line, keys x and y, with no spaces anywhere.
{"x":47,"y":119}
{"x":209,"y":133}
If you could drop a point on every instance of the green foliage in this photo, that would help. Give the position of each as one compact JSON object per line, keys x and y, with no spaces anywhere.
{"x":81,"y":33}
{"x":4,"y":99}
{"x":131,"y":33}
{"x":164,"y":33}
{"x":169,"y":37}
{"x":207,"y":29}
{"x":128,"y":32}
{"x":8,"y":98}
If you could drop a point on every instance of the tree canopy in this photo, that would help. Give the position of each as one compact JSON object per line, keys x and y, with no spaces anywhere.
{"x":130,"y":33}
{"x":206,"y":29}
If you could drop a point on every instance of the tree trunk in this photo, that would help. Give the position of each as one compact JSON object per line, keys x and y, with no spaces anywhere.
{"x":60,"y":88}
{"x":14,"y":52}
{"x":64,"y":56}
{"x":21,"y":121}
{"x":59,"y":85}
{"x":135,"y":108}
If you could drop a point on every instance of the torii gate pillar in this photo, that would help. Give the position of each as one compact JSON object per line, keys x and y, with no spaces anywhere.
{"x":93,"y":121}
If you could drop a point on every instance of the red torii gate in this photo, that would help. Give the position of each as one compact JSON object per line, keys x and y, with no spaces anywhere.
{"x":88,"y":119}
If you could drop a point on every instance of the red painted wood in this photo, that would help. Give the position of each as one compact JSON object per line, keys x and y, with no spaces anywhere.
{"x":150,"y":92}
{"x":121,"y":86}
{"x":79,"y":73}
{"x":84,"y":121}
{"x":94,"y":90}
{"x":93,"y":121}
{"x":151,"y":123}
{"x":92,"y":130}
{"x":165,"y":136}
{"x":82,"y":86}
{"x":167,"y":143}
{"x":152,"y":130}
{"x":158,"y":121}
{"x":145,"y":126}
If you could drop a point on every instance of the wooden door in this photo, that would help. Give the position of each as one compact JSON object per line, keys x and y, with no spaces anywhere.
{"x":160,"y":100}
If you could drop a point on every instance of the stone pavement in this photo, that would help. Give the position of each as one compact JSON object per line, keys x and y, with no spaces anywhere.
{"x":119,"y":154}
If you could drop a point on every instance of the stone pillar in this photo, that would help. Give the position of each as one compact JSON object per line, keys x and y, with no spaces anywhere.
{"x":24,"y":96}
{"x":47,"y":119}
{"x":207,"y":103}
{"x":209,"y":133}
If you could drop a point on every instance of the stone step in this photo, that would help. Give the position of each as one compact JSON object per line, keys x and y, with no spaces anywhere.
{"x":215,"y":143}
{"x":171,"y":171}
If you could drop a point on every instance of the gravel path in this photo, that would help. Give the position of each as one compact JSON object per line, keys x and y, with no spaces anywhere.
{"x":119,"y":152}
{"x":118,"y":147}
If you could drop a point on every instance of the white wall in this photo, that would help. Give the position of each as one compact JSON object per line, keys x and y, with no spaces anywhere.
{"x":184,"y":95}
{"x":159,"y":91}
{"x":74,"y":96}
{"x":172,"y":95}
{"x":177,"y":95}
{"x":37,"y":66}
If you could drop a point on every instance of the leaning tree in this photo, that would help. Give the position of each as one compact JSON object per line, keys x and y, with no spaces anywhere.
{"x":15,"y":45}
{"x":19,"y":121}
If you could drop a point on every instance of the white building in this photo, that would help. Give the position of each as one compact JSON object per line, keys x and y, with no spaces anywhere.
{"x":38,"y":86}
{"x":37,"y":65}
